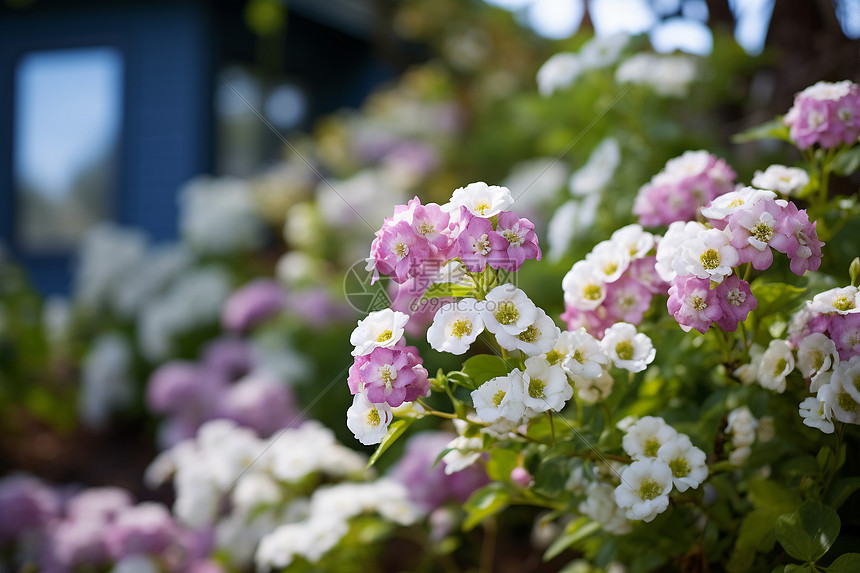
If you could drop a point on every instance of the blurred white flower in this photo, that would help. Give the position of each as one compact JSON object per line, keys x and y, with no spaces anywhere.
{"x":668,"y":76}
{"x":598,"y":171}
{"x":776,"y":362}
{"x":600,"y":506}
{"x":558,"y":72}
{"x":106,"y":384}
{"x":786,"y":180}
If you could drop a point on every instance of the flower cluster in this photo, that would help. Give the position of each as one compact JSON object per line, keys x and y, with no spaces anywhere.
{"x":228,"y":382}
{"x":473,"y":226}
{"x":90,"y":529}
{"x":663,"y":459}
{"x":700,"y":261}
{"x":826,"y":114}
{"x":385,"y":374}
{"x":615,"y":282}
{"x":685,"y":185}
{"x":562,"y":69}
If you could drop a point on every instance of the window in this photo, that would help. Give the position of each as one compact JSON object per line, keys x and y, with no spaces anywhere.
{"x":67,"y":127}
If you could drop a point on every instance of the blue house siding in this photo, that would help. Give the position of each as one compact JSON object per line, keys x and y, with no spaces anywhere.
{"x":166,"y":131}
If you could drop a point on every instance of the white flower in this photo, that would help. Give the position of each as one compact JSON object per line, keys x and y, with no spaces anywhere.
{"x":627,"y":348}
{"x":600,"y":506}
{"x":672,"y":243}
{"x":609,"y":260}
{"x":645,"y":437}
{"x":570,"y":219}
{"x":537,"y":338}
{"x":597,"y":172}
{"x":368,"y":421}
{"x":644,"y":489}
{"x":584,"y":286}
{"x":603,"y":51}
{"x":106,"y":382}
{"x":546,"y":386}
{"x":776,"y":362}
{"x":255,"y":490}
{"x":500,"y":397}
{"x":310,"y":539}
{"x":835,"y":397}
{"x":594,"y":390}
{"x":508,"y":308}
{"x":480,"y":199}
{"x":817,"y":413}
{"x":729,"y":203}
{"x":634,"y":239}
{"x":740,"y":455}
{"x":845,"y":300}
{"x":455,"y":327}
{"x":816,"y":354}
{"x":542,"y":177}
{"x":827,"y":90}
{"x":710,"y":255}
{"x":463,"y":451}
{"x":135,"y":564}
{"x":741,"y":424}
{"x":382,"y":328}
{"x":847,"y":375}
{"x":686,"y":461}
{"x":584,"y":357}
{"x":786,"y":180}
{"x":558,"y":72}
{"x":668,"y":76}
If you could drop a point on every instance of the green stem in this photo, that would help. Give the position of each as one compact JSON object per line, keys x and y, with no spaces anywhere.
{"x":551,"y":427}
{"x":747,"y":272}
{"x":437,"y":413}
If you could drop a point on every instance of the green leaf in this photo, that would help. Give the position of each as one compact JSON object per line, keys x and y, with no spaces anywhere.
{"x":483,"y":367}
{"x":462,"y":379}
{"x":854,"y":271}
{"x":757,"y":530}
{"x":500,"y":464}
{"x":446,"y":290}
{"x":848,"y":563}
{"x":775,"y":297}
{"x":807,"y":534}
{"x":551,"y":476}
{"x":840,"y":491}
{"x":768,"y":494}
{"x":575,"y":531}
{"x":846,"y":161}
{"x":792,"y":568}
{"x":774,"y":129}
{"x":395,"y":430}
{"x":484,"y":502}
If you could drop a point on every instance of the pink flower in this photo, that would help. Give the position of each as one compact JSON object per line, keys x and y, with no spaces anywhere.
{"x":398,"y":251}
{"x":513,"y":241}
{"x":644,"y":271}
{"x":627,"y":299}
{"x":685,"y":184}
{"x":186,"y":389}
{"x":845,"y":332}
{"x":752,"y":230}
{"x":825,"y":113}
{"x":474,"y":241}
{"x":736,"y":301}
{"x":796,"y":237}
{"x":430,"y":222}
{"x":253,"y":303}
{"x":393,"y":375}
{"x":693,"y":303}
{"x":261,"y":402}
{"x":595,"y":322}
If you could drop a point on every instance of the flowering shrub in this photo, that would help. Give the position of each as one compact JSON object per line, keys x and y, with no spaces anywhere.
{"x":564,"y":420}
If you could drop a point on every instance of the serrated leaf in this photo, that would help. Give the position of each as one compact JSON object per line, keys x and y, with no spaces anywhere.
{"x":807,"y":534}
{"x":447,"y":290}
{"x":573,"y":533}
{"x":846,"y":161}
{"x":483,"y":367}
{"x":483,"y":503}
{"x":774,"y":129}
{"x":395,"y":430}
{"x":848,"y":563}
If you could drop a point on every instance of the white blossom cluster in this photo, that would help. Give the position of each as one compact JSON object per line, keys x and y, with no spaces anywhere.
{"x":664,"y":459}
{"x":667,"y":75}
{"x":262,"y":484}
{"x":563,"y":69}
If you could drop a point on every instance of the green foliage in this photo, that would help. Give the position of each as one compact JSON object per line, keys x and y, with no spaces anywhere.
{"x":483,"y":367}
{"x":484,"y":503}
{"x":807,"y":533}
{"x":774,"y":129}
{"x":395,"y":431}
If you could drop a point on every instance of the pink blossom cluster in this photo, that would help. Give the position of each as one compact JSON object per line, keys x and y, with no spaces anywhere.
{"x":389,"y":375}
{"x":91,"y":529}
{"x":686,"y":184}
{"x":826,"y":114}
{"x":225,"y":383}
{"x":473,"y":226}
{"x":702,"y":262}
{"x":835,"y":313}
{"x":614,"y":283}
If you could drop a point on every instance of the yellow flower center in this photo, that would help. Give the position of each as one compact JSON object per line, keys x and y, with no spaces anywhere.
{"x":401,"y":250}
{"x":498,"y":397}
{"x":507,"y":313}
{"x":651,"y":447}
{"x":698,"y":303}
{"x":679,"y":467}
{"x":649,"y":489}
{"x":482,"y":207}
{"x":536,"y":388}
{"x":843,"y":303}
{"x":373,"y":418}
{"x":763,"y":232}
{"x":710,"y":259}
{"x":554,"y":356}
{"x":461,"y":328}
{"x":780,"y":366}
{"x":592,"y":292}
{"x":530,"y":334}
{"x":624,"y":350}
{"x":846,"y":402}
{"x":384,"y":336}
